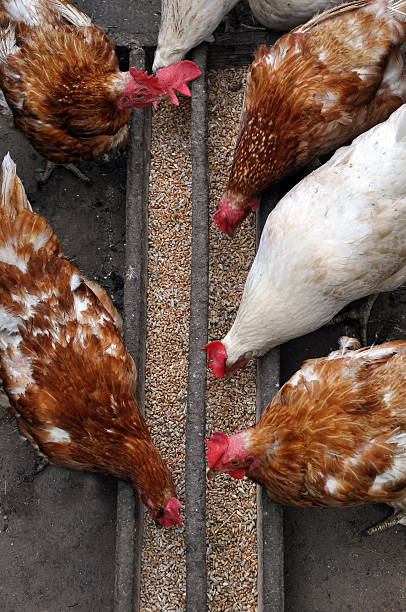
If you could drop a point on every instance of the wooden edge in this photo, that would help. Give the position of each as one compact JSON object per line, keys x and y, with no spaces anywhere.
{"x":195,"y":478}
{"x":129,"y":527}
{"x":228,"y":49}
{"x":269,"y":513}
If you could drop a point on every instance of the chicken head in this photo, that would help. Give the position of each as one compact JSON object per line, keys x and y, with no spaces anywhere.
{"x":142,"y":89}
{"x":230,"y":455}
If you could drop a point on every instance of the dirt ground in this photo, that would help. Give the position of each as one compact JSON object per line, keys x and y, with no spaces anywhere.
{"x":57,"y":528}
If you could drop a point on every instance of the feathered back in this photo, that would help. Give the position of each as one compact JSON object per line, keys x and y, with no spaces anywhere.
{"x":63,"y":363}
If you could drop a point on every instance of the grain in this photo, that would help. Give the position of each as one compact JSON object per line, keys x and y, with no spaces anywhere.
{"x":231,"y":509}
{"x":231,"y":504}
{"x":163,"y":562}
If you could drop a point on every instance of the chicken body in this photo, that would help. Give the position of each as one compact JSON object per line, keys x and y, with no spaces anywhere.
{"x":334,"y":435}
{"x":337,"y":236}
{"x":318,"y":87}
{"x":61,"y":79}
{"x":184,"y":25}
{"x":63,"y":365}
{"x":282,"y":15}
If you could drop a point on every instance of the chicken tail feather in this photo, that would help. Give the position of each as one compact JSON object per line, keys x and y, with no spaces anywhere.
{"x":12,"y":192}
{"x":22,"y":232}
{"x":8,"y":45}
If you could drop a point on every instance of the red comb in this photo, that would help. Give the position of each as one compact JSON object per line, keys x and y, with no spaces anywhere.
{"x":149,"y":81}
{"x":175,"y":77}
{"x":228,"y":218}
{"x":217,"y":445}
{"x":217,"y":354}
{"x":172,"y":511}
{"x":230,"y":214}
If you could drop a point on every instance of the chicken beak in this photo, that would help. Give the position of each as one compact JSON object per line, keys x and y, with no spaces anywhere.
{"x":212,"y":473}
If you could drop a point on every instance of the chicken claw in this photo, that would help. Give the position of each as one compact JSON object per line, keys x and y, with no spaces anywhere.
{"x":390,"y":521}
{"x":41,"y":464}
{"x":50,"y":167}
{"x":361,"y":315}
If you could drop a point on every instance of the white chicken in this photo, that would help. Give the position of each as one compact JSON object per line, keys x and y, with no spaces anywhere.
{"x":337,"y":236}
{"x":184,"y":25}
{"x":282,"y":15}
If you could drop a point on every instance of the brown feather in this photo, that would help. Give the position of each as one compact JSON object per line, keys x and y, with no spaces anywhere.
{"x":333,"y":422}
{"x":63,"y":364}
{"x":62,"y":87}
{"x":318,"y":87}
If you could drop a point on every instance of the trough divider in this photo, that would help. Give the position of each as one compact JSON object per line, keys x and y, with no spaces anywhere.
{"x":269,"y":514}
{"x":195,"y":478}
{"x":130,"y":513}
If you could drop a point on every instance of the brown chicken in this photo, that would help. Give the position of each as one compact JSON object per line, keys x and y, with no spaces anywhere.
{"x":318,"y":87}
{"x":334,"y":435}
{"x":61,"y":79}
{"x":63,"y":366}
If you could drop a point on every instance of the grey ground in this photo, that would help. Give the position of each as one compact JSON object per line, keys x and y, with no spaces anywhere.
{"x":57,"y":528}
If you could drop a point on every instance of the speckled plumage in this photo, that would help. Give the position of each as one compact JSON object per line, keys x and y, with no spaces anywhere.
{"x":63,"y":364}
{"x":315,"y":89}
{"x":334,"y":435}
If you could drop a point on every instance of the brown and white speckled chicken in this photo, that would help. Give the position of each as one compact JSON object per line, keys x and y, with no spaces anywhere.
{"x":318,"y":87}
{"x":61,"y":79}
{"x":63,"y":365}
{"x":184,"y":25}
{"x":334,"y":435}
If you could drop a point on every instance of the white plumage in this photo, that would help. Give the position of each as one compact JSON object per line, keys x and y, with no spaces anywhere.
{"x":184,"y":25}
{"x":287,"y":14}
{"x":338,"y":236}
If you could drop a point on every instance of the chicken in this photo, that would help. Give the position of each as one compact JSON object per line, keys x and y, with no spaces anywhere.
{"x":318,"y":87}
{"x":184,"y":25}
{"x":61,"y":79}
{"x":64,"y":369}
{"x":337,"y":236}
{"x":333,"y":435}
{"x":282,"y":15}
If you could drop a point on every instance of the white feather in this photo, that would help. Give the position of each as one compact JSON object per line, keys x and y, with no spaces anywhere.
{"x":57,"y":435}
{"x":184,"y":25}
{"x":397,"y":471}
{"x":337,"y":236}
{"x":282,"y":15}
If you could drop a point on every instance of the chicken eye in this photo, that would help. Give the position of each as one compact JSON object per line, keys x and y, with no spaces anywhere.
{"x":235,"y":462}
